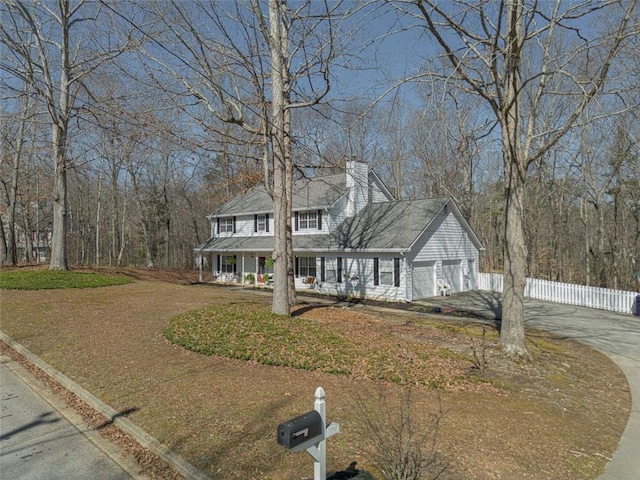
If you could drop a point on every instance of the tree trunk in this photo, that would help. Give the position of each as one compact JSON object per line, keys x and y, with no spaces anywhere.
{"x":59,"y":233}
{"x":3,"y":244}
{"x":587,"y":241}
{"x":28,"y":241}
{"x":512,"y":333}
{"x":60,"y":125}
{"x":11,"y":257}
{"x":114,"y":172}
{"x":288,"y":154}
{"x":98,"y":219}
{"x":280,"y":212}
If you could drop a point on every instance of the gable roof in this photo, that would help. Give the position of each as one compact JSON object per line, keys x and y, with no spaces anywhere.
{"x":388,"y":226}
{"x":308,"y":194}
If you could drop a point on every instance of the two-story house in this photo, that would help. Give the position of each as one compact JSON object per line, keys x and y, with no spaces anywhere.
{"x":350,"y":237}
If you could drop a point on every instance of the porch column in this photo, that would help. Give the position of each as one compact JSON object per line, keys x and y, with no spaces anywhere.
{"x":200,"y":268}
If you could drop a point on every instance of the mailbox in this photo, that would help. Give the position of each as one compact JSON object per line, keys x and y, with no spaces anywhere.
{"x":301,"y":432}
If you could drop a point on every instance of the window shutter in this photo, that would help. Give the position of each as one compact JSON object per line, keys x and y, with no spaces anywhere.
{"x":218,"y":223}
{"x":323,"y":266}
{"x":339,"y":273}
{"x":255,"y":223}
{"x":297,"y":266}
{"x":235,"y":263}
{"x":266,"y":220}
{"x":319,"y":219}
{"x":396,"y":272}
{"x":234,"y":224}
{"x":219,"y":263}
{"x":296,"y":221}
{"x":376,"y":271}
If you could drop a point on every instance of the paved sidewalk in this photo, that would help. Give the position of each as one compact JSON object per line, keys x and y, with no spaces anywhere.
{"x":615,"y":335}
{"x":38,"y":442}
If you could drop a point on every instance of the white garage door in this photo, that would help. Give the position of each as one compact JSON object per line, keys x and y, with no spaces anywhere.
{"x":451,"y":273}
{"x":424,"y":280}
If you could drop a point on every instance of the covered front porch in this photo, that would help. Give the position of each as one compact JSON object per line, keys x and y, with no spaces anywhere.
{"x":247,"y":260}
{"x":235,"y":267}
{"x":252,"y":268}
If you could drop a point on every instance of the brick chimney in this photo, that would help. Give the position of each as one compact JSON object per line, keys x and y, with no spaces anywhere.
{"x":357,"y":187}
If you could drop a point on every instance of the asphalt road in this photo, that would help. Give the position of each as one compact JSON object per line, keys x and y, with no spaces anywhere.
{"x":38,"y":443}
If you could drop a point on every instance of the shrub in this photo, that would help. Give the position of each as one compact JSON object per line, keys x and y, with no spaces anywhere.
{"x":401,"y":447}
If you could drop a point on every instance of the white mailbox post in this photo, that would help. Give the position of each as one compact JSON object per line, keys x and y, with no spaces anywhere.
{"x":292,"y":434}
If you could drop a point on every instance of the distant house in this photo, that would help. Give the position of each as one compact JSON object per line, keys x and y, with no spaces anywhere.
{"x":350,"y":237}
{"x":32,"y":245}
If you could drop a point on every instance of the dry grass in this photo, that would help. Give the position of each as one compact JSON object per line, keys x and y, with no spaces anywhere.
{"x":559,"y":417}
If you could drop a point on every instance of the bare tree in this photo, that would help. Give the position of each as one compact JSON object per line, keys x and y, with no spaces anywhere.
{"x":248,"y":68}
{"x":13,"y":142}
{"x":53,"y":48}
{"x":532,"y":64}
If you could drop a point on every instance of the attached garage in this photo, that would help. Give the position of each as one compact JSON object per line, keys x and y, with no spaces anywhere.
{"x":452,"y":274}
{"x":424,"y":279}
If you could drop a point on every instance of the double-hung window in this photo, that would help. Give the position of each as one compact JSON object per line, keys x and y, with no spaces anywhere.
{"x":386,"y":271}
{"x":262,"y":223}
{"x":227,"y":263}
{"x":308,"y":220}
{"x":306,"y":266}
{"x":226,"y":225}
{"x":331,"y":270}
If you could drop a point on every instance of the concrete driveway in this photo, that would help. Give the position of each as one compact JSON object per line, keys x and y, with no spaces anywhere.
{"x":615,"y":335}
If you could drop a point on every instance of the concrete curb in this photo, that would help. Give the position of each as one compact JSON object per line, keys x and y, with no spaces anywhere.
{"x":142,"y":437}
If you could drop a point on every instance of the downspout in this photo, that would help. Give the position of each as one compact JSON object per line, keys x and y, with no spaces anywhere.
{"x":408,"y":294}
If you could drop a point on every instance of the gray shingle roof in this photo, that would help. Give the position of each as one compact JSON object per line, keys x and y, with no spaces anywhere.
{"x":388,"y":225}
{"x":308,"y":194}
{"x":380,"y":226}
{"x":264,"y":243}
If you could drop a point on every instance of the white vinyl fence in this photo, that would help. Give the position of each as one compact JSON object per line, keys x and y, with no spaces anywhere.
{"x":580,"y":295}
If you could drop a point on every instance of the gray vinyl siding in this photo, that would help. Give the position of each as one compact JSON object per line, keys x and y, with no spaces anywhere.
{"x":357,"y":273}
{"x":445,"y":239}
{"x":376,"y":195}
{"x":447,"y":242}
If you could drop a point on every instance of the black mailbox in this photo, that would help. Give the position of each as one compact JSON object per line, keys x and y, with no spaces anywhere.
{"x":304,"y":430}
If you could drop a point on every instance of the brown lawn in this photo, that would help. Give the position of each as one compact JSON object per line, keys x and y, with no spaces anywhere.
{"x":558,"y":417}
